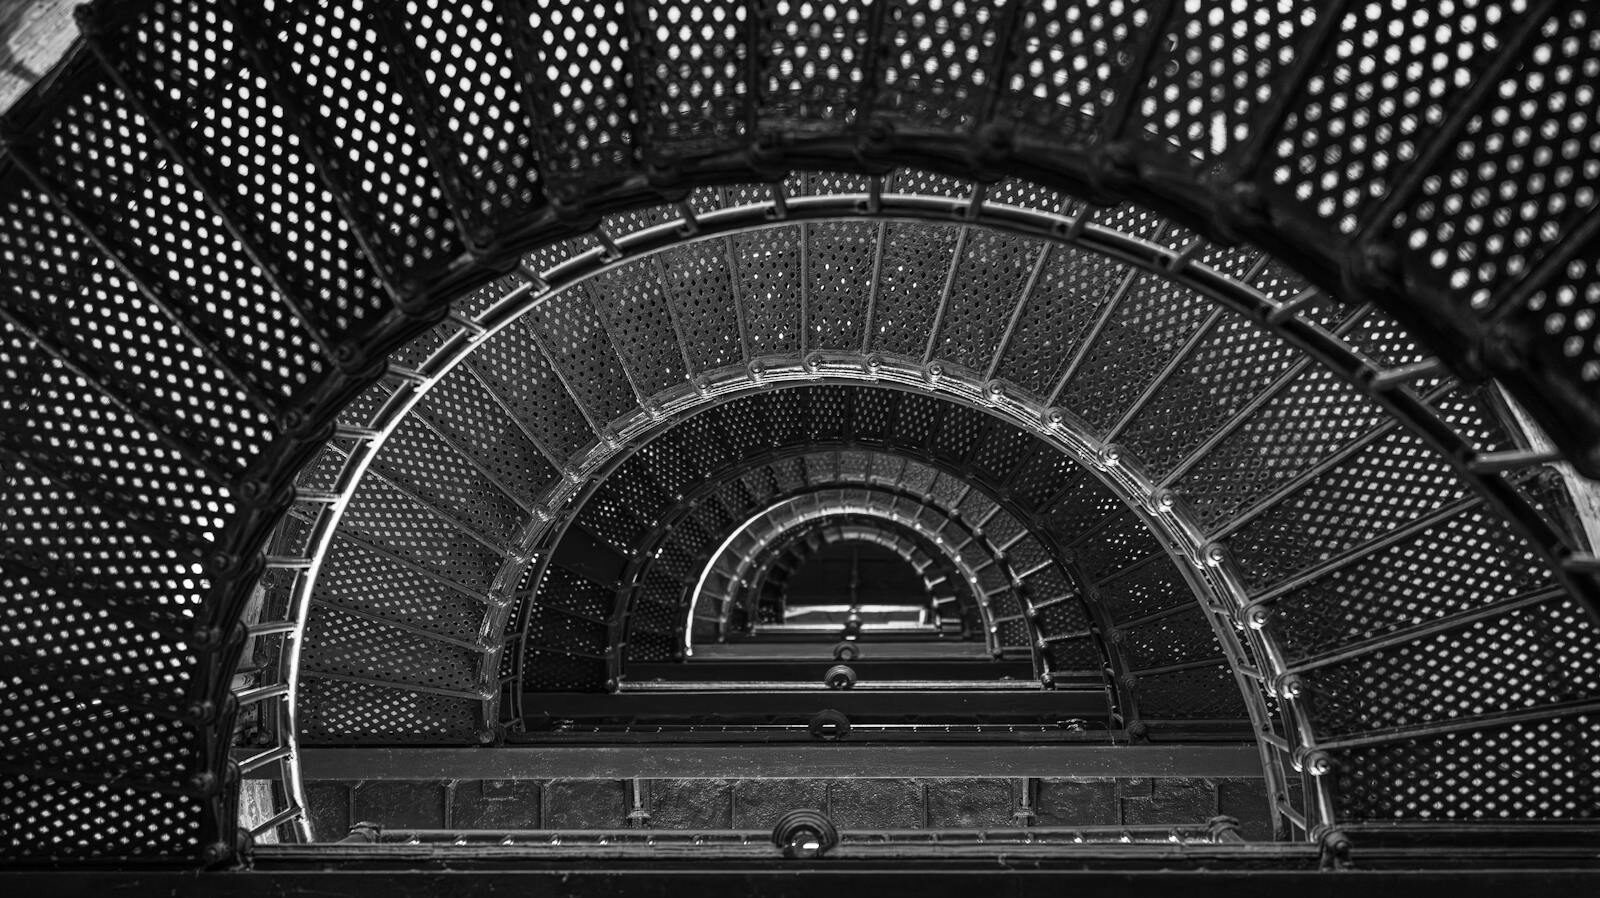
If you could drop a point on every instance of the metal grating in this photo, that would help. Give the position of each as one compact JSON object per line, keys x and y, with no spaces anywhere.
{"x":426,"y":467}
{"x":99,"y":819}
{"x":481,"y":134}
{"x":1297,"y":427}
{"x":1439,"y":777}
{"x":907,"y":290}
{"x":1348,"y":107}
{"x":353,"y":646}
{"x":1153,"y":325}
{"x":1194,"y":400}
{"x":693,"y":508}
{"x":250,"y":160}
{"x":366,"y":139}
{"x":222,"y":218}
{"x":338,"y":711}
{"x":1070,"y":294}
{"x":495,"y":445}
{"x":1206,"y":98}
{"x":360,"y":580}
{"x":838,"y":260}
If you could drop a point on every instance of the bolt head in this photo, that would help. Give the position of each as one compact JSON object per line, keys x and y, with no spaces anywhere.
{"x":203,"y":782}
{"x":215,"y":853}
{"x":1291,"y":686}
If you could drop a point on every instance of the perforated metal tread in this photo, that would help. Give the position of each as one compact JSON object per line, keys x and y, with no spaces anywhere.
{"x":1267,"y":391}
{"x":151,"y":238}
{"x":1037,"y":606}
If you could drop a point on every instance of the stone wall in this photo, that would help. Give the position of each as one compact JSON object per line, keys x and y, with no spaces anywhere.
{"x":754,"y":804}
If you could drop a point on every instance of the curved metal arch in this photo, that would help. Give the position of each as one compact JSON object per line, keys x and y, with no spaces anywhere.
{"x":780,"y":519}
{"x":1383,"y":385}
{"x":904,"y":545}
{"x":1195,"y":556}
{"x":1099,"y":620}
{"x":685,"y":507}
{"x":1484,"y":472}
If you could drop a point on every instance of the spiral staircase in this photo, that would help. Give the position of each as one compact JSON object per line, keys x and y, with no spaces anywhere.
{"x":421,"y":374}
